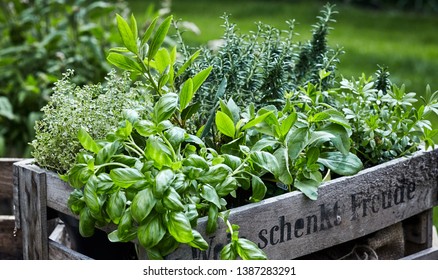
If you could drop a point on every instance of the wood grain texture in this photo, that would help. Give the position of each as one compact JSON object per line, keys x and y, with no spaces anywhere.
{"x":58,"y":251}
{"x":6,"y":177}
{"x":10,"y":240}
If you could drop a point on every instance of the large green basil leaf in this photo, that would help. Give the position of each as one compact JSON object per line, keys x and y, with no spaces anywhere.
{"x":162,"y":182}
{"x":296,"y":140}
{"x":258,"y":189}
{"x":125,"y":177}
{"x":145,"y":127}
{"x":158,"y":152}
{"x":90,"y":195}
{"x":87,"y":142}
{"x":196,"y":161}
{"x":175,"y":136}
{"x":308,"y":187}
{"x":228,"y":252}
{"x":210,"y":194}
{"x":116,"y":206}
{"x":125,"y":229}
{"x":341,"y":164}
{"x":165,"y":107}
{"x":142,"y":204}
{"x":216,"y":174}
{"x":226,"y":187}
{"x":267,"y":161}
{"x":105,"y":154}
{"x":172,"y":200}
{"x":179,"y":227}
{"x":86,"y":223}
{"x":151,"y":231}
{"x":213,"y":214}
{"x":76,"y":201}
{"x":198,"y":241}
{"x":341,"y":139}
{"x":248,"y":250}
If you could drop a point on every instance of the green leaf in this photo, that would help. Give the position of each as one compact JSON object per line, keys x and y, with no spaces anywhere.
{"x":226,"y":187}
{"x":256,"y":121}
{"x":172,"y":200}
{"x":149,"y":31}
{"x":107,"y":152}
{"x":282,"y":157}
{"x":6,"y":109}
{"x":198,"y":241}
{"x":216,"y":174}
{"x":90,"y":195}
{"x":179,"y":227}
{"x":308,"y":187}
{"x":162,"y":60}
{"x":162,"y":182}
{"x":341,"y":164}
{"x":159,"y":37}
{"x":129,"y":39}
{"x":228,"y":252}
{"x":125,"y":229}
{"x":190,"y":110}
{"x":188,"y":63}
{"x":200,"y":78}
{"x":124,"y":130}
{"x":175,"y":136}
{"x":342,"y":138}
{"x":116,"y":206}
{"x":225,"y":124}
{"x":76,"y":202}
{"x":124,"y":62}
{"x":151,"y":232}
{"x":288,"y":123}
{"x":248,"y":250}
{"x":258,"y":189}
{"x":210,"y":194}
{"x":145,"y":128}
{"x":158,"y":152}
{"x":165,"y":107}
{"x":86,"y":223}
{"x":186,"y":94}
{"x":213,"y":214}
{"x":142,"y":204}
{"x":87,"y":142}
{"x":266,"y":161}
{"x":296,"y":140}
{"x":196,"y":161}
{"x":125,"y":177}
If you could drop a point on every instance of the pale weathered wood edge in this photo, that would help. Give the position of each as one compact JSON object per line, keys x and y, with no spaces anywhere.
{"x":58,"y":251}
{"x":427,"y":254}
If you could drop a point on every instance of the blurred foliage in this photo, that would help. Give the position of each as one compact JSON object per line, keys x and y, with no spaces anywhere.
{"x":426,"y":6}
{"x":41,"y":39}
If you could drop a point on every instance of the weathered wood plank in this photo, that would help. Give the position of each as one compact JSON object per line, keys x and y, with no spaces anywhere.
{"x":58,"y":251}
{"x":427,"y":254}
{"x":6,"y":177}
{"x":10,"y":239}
{"x":290,"y":225}
{"x":33,"y":213}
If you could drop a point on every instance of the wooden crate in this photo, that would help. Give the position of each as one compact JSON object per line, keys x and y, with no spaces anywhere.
{"x":289,"y":226}
{"x":10,"y":239}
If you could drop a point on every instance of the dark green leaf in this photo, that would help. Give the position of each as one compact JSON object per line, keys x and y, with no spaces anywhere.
{"x":199,"y":78}
{"x":267,"y":161}
{"x":142,"y":204}
{"x":125,"y":177}
{"x":86,"y":223}
{"x":175,"y":136}
{"x":76,"y":202}
{"x":216,"y":174}
{"x":90,"y":195}
{"x":188,"y":62}
{"x":190,"y":110}
{"x":258,"y":189}
{"x":296,"y":140}
{"x":116,"y":206}
{"x":213,"y":214}
{"x":172,"y":200}
{"x":308,"y":187}
{"x":226,"y":187}
{"x":165,"y":107}
{"x":179,"y":227}
{"x":151,"y":231}
{"x":162,"y":182}
{"x":107,"y":152}
{"x":341,"y":164}
{"x":210,"y":194}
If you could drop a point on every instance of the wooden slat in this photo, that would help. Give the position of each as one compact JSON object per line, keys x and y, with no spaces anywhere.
{"x":6,"y":177}
{"x":10,"y":239}
{"x":58,"y":251}
{"x":290,"y":225}
{"x":33,"y":214}
{"x":427,"y":254}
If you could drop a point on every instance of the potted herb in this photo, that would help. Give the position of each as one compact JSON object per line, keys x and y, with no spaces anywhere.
{"x":163,"y":180}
